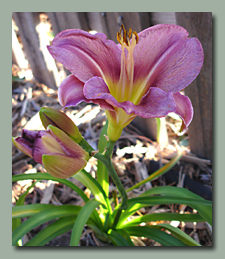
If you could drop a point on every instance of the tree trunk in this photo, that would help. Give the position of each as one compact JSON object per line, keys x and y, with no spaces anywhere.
{"x":31,"y":42}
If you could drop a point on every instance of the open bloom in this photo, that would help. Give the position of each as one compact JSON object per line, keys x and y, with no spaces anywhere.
{"x":59,"y":154}
{"x":141,"y":75}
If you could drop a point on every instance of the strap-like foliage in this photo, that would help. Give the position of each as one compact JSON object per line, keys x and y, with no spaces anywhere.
{"x":46,"y":176}
{"x":42,"y":217}
{"x":55,"y":229}
{"x":81,"y":220}
{"x":159,"y":236}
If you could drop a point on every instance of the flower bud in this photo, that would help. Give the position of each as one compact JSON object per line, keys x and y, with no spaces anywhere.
{"x":59,"y":119}
{"x":54,"y":149}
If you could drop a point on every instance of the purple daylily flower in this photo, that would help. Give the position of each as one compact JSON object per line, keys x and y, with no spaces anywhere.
{"x":54,"y":149}
{"x":142,"y":75}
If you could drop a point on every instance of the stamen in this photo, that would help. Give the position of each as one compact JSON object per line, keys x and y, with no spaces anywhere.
{"x":128,"y":40}
{"x":136,"y":36}
{"x":123,"y":36}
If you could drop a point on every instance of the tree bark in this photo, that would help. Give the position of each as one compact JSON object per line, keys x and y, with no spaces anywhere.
{"x":31,"y":42}
{"x":199,"y":25}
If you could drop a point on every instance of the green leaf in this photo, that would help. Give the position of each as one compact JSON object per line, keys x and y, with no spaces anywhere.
{"x":55,"y":229}
{"x":135,"y":204}
{"x":46,"y":176}
{"x":155,"y":234}
{"x":204,"y":210}
{"x":163,"y":216}
{"x":102,"y":173}
{"x":29,"y":210}
{"x":153,"y":200}
{"x":99,"y":233}
{"x":16,"y":222}
{"x":120,"y":238}
{"x":42,"y":217}
{"x":179,"y":234}
{"x":87,"y":180}
{"x":81,"y":221}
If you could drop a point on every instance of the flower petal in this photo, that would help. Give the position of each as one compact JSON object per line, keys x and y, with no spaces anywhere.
{"x":62,"y":166}
{"x":68,"y":146}
{"x":86,"y":55}
{"x":164,"y":57}
{"x":70,"y":92}
{"x":156,"y":103}
{"x":45,"y":144}
{"x":184,"y":109}
{"x":97,"y":91}
{"x":23,"y":145}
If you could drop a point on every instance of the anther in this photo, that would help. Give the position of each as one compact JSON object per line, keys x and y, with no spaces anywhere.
{"x":123,"y":36}
{"x":136,"y":36}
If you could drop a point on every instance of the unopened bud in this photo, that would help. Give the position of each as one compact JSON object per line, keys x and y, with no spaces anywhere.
{"x":60,"y":120}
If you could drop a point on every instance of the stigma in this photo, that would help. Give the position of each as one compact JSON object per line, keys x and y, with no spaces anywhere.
{"x":124,"y":36}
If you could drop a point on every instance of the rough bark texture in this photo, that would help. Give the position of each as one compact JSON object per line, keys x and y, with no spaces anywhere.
{"x":199,"y":24}
{"x":30,"y":40}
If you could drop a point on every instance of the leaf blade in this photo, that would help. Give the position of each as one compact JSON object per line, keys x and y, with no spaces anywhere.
{"x":55,"y":229}
{"x":163,"y":217}
{"x":81,"y":220}
{"x":179,"y":234}
{"x":159,"y":236}
{"x":137,"y":203}
{"x":204,"y":210}
{"x":42,"y":217}
{"x":29,"y":210}
{"x":46,"y":176}
{"x":119,"y":238}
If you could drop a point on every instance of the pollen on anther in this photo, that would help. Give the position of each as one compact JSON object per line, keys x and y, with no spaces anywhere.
{"x":123,"y":36}
{"x":136,"y":36}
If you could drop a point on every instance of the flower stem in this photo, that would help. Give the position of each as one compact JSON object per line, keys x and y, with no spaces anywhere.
{"x":116,"y":180}
{"x":106,"y":160}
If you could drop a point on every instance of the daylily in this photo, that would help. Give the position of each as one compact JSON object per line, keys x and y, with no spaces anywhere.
{"x":54,"y":149}
{"x":141,"y":75}
{"x":60,"y":120}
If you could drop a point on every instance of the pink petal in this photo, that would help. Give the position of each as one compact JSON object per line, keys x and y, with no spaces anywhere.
{"x":184,"y":109}
{"x":86,"y":55}
{"x":26,"y":141}
{"x":156,"y":103}
{"x":46,"y":146}
{"x":23,"y":145}
{"x":70,"y":92}
{"x":96,"y":90}
{"x":166,"y":58}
